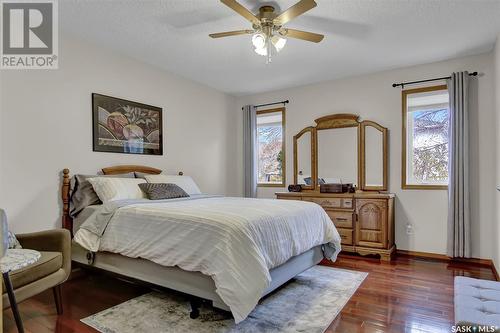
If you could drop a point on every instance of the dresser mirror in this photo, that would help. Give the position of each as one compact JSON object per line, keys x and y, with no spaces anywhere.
{"x":338,"y":155}
{"x":342,"y":149}
{"x":373,"y":156}
{"x":304,"y":152}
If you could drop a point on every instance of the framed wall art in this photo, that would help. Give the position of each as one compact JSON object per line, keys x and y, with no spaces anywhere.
{"x":122,"y":126}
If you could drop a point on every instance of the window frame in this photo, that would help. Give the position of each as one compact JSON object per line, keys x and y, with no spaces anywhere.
{"x":404,"y":184}
{"x":283,"y":146}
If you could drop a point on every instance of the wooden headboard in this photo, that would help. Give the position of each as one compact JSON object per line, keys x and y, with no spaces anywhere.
{"x":67,"y":221}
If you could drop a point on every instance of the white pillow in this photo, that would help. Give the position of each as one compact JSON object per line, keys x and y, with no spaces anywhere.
{"x":185,"y":182}
{"x":109,"y":189}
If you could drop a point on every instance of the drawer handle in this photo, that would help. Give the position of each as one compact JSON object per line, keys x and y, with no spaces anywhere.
{"x":341,"y":219}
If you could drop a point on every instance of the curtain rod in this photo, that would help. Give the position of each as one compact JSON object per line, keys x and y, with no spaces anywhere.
{"x":269,"y":104}
{"x":403,"y":84}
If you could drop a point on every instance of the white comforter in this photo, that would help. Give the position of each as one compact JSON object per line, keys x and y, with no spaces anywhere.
{"x":236,"y":241}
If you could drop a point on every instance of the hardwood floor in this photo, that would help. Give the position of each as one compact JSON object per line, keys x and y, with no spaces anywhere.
{"x":408,"y":295}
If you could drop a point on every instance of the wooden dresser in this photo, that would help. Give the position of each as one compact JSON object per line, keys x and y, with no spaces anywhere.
{"x":365,"y":220}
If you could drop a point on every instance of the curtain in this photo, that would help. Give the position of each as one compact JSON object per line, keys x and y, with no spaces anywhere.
{"x":249,"y":151}
{"x":459,"y":237}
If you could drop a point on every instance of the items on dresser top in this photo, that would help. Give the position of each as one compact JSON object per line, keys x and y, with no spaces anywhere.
{"x":337,"y":188}
{"x":294,"y":188}
{"x":364,"y":220}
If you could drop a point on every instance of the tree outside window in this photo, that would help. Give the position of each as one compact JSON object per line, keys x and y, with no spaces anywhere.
{"x":270,"y":147}
{"x":425,"y":138}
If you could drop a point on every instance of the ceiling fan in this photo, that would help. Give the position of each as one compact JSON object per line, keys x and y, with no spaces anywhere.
{"x":269,"y":35}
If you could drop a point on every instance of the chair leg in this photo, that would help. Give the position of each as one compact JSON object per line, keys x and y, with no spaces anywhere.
{"x":13,"y":302}
{"x":58,"y":299}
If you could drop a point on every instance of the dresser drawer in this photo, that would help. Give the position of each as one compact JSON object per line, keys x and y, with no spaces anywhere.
{"x":345,"y":236}
{"x":327,"y":202}
{"x":347,"y":203}
{"x":340,"y":219}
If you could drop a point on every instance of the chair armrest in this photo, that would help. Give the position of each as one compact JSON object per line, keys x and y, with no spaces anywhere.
{"x":57,"y":240}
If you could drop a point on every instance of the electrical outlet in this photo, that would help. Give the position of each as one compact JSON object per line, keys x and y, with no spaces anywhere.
{"x":409,"y":229}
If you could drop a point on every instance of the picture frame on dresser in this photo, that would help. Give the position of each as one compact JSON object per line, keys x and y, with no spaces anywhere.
{"x":127,"y":127}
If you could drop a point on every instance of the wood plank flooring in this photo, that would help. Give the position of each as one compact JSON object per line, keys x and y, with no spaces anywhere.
{"x":408,"y":295}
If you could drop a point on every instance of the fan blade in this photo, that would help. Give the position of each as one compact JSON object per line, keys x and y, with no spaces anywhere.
{"x":299,"y":34}
{"x":231,"y":33}
{"x":234,"y":5}
{"x":298,"y":9}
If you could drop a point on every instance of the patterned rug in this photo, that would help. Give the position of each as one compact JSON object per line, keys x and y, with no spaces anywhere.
{"x":308,"y":303}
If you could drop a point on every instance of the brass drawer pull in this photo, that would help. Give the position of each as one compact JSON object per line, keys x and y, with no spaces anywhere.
{"x":341,"y":219}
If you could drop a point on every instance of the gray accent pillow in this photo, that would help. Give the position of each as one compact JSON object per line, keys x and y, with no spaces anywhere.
{"x":159,"y":191}
{"x":83,"y":194}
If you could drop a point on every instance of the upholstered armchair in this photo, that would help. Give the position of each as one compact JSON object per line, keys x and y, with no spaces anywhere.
{"x":52,"y":269}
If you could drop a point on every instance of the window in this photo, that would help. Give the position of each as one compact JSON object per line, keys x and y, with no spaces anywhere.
{"x":271,"y":147}
{"x":425,"y":138}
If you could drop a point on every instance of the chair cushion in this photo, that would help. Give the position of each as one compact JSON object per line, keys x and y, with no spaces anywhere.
{"x":48,"y":263}
{"x":477,"y":302}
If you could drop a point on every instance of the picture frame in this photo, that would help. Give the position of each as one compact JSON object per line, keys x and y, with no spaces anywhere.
{"x":127,"y":127}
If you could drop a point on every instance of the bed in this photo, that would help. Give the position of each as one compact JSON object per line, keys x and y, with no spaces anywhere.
{"x":229,"y":251}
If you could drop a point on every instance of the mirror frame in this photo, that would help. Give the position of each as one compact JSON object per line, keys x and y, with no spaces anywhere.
{"x":384,"y":131}
{"x":343,"y":120}
{"x":311,"y":130}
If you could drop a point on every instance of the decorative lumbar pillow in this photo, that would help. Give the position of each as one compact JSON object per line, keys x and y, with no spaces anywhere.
{"x":110,"y":189}
{"x":158,"y":191}
{"x":83,"y":194}
{"x":185,"y":182}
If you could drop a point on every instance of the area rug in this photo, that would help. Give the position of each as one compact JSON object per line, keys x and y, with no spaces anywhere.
{"x":308,"y":303}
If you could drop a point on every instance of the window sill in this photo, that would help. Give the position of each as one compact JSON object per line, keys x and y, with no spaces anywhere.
{"x":271,"y":185}
{"x":424,"y":187}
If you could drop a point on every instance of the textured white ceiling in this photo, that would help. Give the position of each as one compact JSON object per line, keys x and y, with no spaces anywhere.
{"x":362,"y":36}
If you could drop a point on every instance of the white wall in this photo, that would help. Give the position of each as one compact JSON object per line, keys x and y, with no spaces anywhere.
{"x":47,"y":126}
{"x":373,"y":97}
{"x":497,"y":95}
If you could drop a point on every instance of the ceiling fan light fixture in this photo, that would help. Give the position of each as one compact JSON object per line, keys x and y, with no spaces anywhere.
{"x":278,"y":42}
{"x":259,"y":40}
{"x":269,"y":36}
{"x":261,"y":51}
